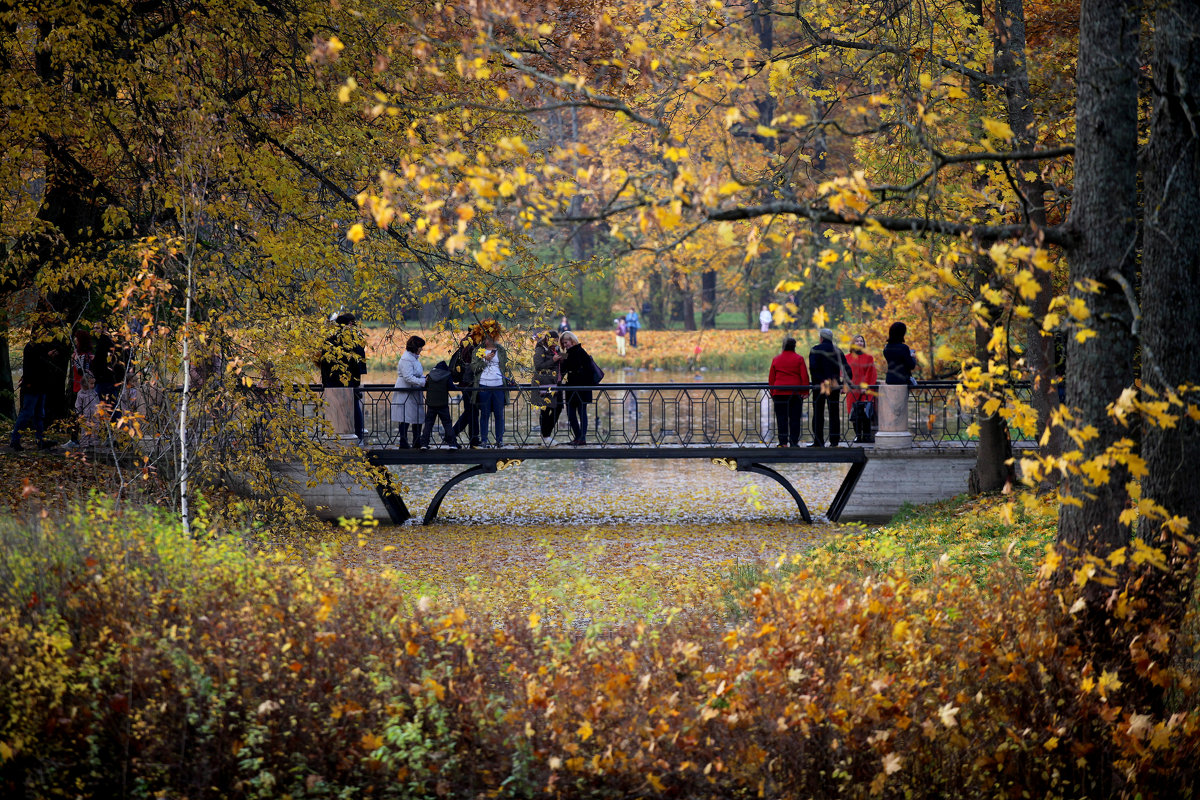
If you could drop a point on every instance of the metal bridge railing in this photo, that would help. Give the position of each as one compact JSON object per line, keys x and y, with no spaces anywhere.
{"x":655,"y":415}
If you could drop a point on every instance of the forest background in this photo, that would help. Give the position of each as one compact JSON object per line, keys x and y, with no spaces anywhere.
{"x":212,"y":178}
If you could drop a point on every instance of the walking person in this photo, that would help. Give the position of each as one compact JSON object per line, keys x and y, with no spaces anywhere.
{"x":764,"y":319}
{"x":109,"y":363}
{"x":37,"y":381}
{"x":788,"y":369}
{"x":860,"y":402}
{"x":828,"y":369}
{"x":491,"y":392}
{"x":578,"y":370}
{"x":408,"y":403}
{"x":437,"y":406}
{"x":343,"y":363}
{"x":82,"y":353}
{"x":547,"y":373}
{"x":622,"y":329}
{"x":462,"y":375}
{"x":632,"y":324}
{"x":899,"y":356}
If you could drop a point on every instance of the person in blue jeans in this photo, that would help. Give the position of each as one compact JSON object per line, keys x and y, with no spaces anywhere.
{"x":632,"y":323}
{"x":37,"y":379}
{"x":490,"y":364}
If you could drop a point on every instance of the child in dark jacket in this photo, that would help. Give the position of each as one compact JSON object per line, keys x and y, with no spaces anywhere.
{"x":437,"y":405}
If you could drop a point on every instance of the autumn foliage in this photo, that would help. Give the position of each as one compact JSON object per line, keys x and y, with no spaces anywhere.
{"x":136,"y":659}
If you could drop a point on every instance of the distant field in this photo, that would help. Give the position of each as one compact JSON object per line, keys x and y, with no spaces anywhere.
{"x":742,"y":350}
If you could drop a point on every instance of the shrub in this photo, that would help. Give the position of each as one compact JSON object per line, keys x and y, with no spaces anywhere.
{"x":137,"y":660}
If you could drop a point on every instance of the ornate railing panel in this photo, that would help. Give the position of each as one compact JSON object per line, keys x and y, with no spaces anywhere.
{"x":679,"y":415}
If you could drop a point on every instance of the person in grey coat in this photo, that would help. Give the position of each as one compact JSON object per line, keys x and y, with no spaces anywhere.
{"x":408,"y":407}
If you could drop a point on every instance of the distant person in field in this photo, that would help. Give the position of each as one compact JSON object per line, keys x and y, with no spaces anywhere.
{"x":408,"y":401}
{"x":632,"y":323}
{"x":788,"y":369}
{"x":564,"y":325}
{"x":764,"y":319}
{"x":828,"y":368}
{"x":860,"y":402}
{"x":622,"y":328}
{"x":899,"y":356}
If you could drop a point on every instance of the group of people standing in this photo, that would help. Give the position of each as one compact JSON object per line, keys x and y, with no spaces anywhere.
{"x":480,"y":370}
{"x":829,"y":371}
{"x":94,"y":373}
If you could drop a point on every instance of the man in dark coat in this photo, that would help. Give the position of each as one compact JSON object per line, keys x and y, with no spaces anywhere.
{"x":109,"y":365}
{"x":578,"y":370}
{"x":827,"y":368}
{"x":37,"y":381}
{"x":344,"y":362}
{"x":462,"y":376}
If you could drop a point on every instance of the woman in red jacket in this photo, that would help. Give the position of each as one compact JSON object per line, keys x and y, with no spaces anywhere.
{"x":788,"y":369}
{"x":862,"y":374}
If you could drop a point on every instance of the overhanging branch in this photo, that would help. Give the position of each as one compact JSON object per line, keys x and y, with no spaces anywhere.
{"x":914,"y":225}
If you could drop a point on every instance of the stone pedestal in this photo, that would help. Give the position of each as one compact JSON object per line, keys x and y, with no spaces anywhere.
{"x":339,"y":410}
{"x":893,"y":433}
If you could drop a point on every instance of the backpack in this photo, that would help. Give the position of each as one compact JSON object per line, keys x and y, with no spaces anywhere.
{"x":597,"y":373}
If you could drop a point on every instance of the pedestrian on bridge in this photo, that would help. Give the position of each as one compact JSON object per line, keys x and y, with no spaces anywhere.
{"x":547,"y":373}
{"x":578,"y":370}
{"x":788,"y":369}
{"x":408,"y":402}
{"x":860,"y":397}
{"x":490,"y":364}
{"x":828,"y":368}
{"x":463,"y":376}
{"x":899,"y":356}
{"x":343,"y":362}
{"x":437,"y":406}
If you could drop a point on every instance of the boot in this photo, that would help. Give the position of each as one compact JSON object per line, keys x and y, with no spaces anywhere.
{"x":402,"y":439}
{"x":416,"y":435}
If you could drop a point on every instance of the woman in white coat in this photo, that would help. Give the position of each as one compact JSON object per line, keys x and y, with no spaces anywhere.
{"x":408,"y":408}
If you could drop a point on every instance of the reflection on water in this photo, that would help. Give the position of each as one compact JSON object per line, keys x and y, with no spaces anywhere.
{"x":625,"y":491}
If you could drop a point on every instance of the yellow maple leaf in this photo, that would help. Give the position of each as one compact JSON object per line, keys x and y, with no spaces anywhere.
{"x":819,"y":317}
{"x":1109,"y":682}
{"x":997,"y":129}
{"x":356,"y":233}
{"x":585,"y":731}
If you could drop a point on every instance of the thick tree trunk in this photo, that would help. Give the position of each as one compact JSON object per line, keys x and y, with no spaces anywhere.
{"x":708,"y":300}
{"x":991,"y":471}
{"x":1012,"y":69}
{"x":1171,"y":288}
{"x":687,"y":304}
{"x":8,"y":407}
{"x":1103,"y":218}
{"x":654,"y":319}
